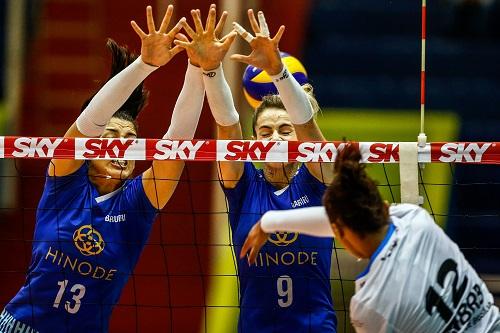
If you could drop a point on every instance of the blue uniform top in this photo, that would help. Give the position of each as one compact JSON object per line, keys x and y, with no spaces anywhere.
{"x":85,"y":247}
{"x":288,"y":289}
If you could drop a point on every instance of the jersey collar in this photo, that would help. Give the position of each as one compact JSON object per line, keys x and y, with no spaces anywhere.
{"x":105,"y":197}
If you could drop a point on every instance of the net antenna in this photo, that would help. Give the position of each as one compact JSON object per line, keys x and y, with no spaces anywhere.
{"x":408,"y":151}
{"x":422,"y":138}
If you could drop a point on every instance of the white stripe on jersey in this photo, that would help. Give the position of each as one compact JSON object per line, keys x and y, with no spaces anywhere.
{"x":420,"y":282}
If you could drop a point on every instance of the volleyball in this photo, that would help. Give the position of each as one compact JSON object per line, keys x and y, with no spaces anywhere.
{"x":257,"y":83}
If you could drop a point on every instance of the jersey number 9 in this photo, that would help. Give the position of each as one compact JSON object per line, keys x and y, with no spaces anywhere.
{"x":284,"y":287}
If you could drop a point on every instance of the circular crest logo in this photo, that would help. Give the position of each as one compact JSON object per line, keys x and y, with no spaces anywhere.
{"x":283,"y":238}
{"x":88,"y":240}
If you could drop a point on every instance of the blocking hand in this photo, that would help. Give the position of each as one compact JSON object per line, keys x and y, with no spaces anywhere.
{"x":265,"y":52}
{"x":205,"y":48}
{"x":156,"y":45}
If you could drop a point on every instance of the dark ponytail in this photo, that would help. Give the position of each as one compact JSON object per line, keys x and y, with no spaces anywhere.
{"x":352,"y":199}
{"x":121,"y":57}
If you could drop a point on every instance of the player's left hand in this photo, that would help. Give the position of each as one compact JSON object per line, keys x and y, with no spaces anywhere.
{"x":255,"y":240}
{"x":265,"y":52}
{"x":156,"y":45}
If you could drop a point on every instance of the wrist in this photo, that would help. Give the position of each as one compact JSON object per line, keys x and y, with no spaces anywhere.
{"x":281,"y":75}
{"x":210,"y":67}
{"x":195,"y":64}
{"x":275,"y":69}
{"x":144,"y":65}
{"x":213,"y":71}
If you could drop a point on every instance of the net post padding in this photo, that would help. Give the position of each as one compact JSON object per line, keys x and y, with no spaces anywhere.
{"x":408,"y":173}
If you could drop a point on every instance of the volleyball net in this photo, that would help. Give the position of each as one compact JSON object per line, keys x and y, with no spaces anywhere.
{"x":187,"y":272}
{"x":238,"y":150}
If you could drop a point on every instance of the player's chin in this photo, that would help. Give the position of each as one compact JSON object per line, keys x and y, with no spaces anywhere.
{"x":277,"y":165}
{"x":119,"y":174}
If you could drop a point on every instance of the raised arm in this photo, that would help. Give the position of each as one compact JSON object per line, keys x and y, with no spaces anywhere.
{"x":160,"y":180}
{"x":208,"y":50}
{"x":93,"y":119}
{"x":266,"y":55}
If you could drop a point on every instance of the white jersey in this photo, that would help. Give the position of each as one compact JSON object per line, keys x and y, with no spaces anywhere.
{"x":419,"y":281}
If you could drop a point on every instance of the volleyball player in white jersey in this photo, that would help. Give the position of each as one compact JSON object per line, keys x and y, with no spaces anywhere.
{"x":417,"y":279}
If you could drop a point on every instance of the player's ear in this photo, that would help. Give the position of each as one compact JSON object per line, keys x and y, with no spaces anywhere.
{"x":337,"y":231}
{"x":386,"y":207}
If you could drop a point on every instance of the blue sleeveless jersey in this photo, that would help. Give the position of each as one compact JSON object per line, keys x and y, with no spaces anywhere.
{"x":288,"y":289}
{"x":85,"y":247}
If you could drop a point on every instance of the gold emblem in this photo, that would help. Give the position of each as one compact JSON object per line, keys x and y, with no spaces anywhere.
{"x":283,"y":238}
{"x":88,"y":240}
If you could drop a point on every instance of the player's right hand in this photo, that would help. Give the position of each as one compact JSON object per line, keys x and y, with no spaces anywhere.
{"x":205,"y":48}
{"x":255,"y":240}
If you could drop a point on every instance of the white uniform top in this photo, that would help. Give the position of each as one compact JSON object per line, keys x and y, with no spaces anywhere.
{"x":419,"y":281}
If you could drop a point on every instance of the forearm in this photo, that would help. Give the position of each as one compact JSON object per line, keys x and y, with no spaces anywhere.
{"x":188,"y":107}
{"x":220,"y":98}
{"x":111,"y":97}
{"x":311,"y":221}
{"x":293,"y":96}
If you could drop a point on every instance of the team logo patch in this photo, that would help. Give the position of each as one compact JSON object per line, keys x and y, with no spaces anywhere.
{"x":283,"y":238}
{"x":88,"y":240}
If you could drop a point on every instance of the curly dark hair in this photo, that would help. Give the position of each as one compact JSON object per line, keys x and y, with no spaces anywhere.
{"x":352,"y":199}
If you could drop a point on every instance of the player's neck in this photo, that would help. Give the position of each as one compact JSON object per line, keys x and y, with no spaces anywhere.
{"x":105,"y":186}
{"x":280,"y":175}
{"x":373,"y":241}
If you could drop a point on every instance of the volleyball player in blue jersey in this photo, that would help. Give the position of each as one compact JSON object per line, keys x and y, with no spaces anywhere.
{"x":288,"y":289}
{"x":93,"y":218}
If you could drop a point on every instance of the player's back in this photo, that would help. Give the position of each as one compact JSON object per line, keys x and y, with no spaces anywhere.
{"x":419,"y":281}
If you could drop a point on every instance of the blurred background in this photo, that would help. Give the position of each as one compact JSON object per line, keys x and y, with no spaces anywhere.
{"x":362,"y":57}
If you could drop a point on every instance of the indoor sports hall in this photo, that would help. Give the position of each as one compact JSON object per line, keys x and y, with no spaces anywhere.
{"x":415,"y":85}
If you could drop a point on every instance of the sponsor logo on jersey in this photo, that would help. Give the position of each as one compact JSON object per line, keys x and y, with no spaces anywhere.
{"x":116,"y":218}
{"x":268,"y":259}
{"x":88,"y":240}
{"x":283,"y":238}
{"x":84,"y":268}
{"x":300,"y":201}
{"x":390,"y":250}
{"x":288,"y":258}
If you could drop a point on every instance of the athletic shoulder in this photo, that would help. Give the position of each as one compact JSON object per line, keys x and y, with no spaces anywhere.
{"x":412,"y":216}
